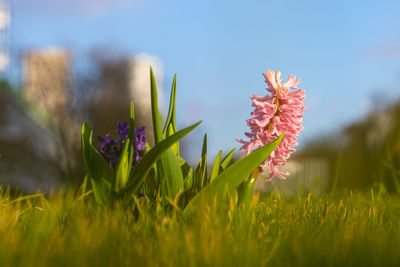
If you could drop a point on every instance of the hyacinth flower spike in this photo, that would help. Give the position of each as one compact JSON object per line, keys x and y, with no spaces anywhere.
{"x":279,"y":111}
{"x":122,"y":130}
{"x":111,"y":148}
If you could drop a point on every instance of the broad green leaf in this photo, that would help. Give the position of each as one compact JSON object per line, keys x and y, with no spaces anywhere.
{"x":245,"y":190}
{"x":101,"y":191}
{"x":225,"y":161}
{"x":96,"y":167}
{"x":170,"y":132}
{"x":140,"y":171}
{"x":173,"y":173}
{"x":234,"y":175}
{"x":216,"y":166}
{"x":123,"y":167}
{"x":153,"y":182}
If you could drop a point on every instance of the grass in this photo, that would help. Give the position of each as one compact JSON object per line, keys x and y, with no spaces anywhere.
{"x":354,"y":229}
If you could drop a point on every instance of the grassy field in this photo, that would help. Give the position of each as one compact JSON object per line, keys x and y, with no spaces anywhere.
{"x":354,"y":229}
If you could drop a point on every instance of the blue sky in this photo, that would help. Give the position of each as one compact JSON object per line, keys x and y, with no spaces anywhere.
{"x":345,"y":52}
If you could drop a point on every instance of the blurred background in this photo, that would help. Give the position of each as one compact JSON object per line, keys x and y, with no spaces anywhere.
{"x":63,"y":62}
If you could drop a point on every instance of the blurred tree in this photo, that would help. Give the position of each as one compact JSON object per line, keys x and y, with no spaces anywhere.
{"x":27,"y":153}
{"x":365,"y":153}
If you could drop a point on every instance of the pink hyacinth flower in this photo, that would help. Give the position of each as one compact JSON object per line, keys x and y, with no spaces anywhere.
{"x":280,"y":111}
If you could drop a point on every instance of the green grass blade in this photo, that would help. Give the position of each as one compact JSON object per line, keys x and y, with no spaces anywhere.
{"x":22,"y":198}
{"x":139,"y":173}
{"x":234,"y":175}
{"x":216,"y":166}
{"x":83,"y":190}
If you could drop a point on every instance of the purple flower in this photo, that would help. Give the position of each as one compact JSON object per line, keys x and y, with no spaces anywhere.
{"x":107,"y":143}
{"x":122,"y":130}
{"x":111,"y":148}
{"x":140,"y":143}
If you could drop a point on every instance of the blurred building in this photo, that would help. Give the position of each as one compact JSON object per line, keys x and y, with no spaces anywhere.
{"x":139,"y":87}
{"x":5,"y":20}
{"x":46,"y":77}
{"x":120,"y":80}
{"x":108,"y":99}
{"x":46,"y":86}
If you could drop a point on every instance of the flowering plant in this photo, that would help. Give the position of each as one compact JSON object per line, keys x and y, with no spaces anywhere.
{"x":275,"y":113}
{"x":125,"y":168}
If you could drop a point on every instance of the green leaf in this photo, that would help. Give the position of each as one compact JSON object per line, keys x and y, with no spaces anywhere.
{"x":123,"y":167}
{"x":140,"y":171}
{"x":168,"y":165}
{"x":170,"y":132}
{"x":172,"y":173}
{"x":234,"y":175}
{"x":225,"y":161}
{"x":96,"y":167}
{"x":245,"y":191}
{"x":157,"y":120}
{"x":131,"y":133}
{"x":171,"y":117}
{"x":204,"y":180}
{"x":200,"y":173}
{"x":187,"y":173}
{"x":216,"y":166}
{"x":101,"y":191}
{"x":170,"y":123}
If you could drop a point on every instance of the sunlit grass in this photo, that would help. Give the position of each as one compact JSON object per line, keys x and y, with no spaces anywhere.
{"x":337,"y":229}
